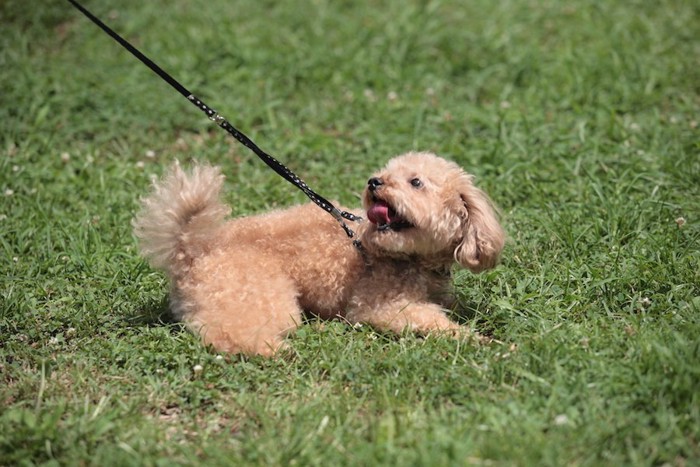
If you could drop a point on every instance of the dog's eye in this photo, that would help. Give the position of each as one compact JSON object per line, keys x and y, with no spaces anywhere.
{"x":416,"y":182}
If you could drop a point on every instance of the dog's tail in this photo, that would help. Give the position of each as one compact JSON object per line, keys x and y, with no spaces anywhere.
{"x":178,"y":220}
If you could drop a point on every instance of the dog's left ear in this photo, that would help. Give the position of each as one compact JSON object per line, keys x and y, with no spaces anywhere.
{"x":482,"y":235}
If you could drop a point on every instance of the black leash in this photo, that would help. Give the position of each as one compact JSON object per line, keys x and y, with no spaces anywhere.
{"x":213,"y":115}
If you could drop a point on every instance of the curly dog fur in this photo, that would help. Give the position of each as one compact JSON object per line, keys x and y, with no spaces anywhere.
{"x":244,"y":284}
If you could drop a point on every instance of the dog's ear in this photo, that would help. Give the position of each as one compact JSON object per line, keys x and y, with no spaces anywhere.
{"x":482,"y":235}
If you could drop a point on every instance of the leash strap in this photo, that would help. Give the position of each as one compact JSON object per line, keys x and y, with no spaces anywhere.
{"x":214,"y":116}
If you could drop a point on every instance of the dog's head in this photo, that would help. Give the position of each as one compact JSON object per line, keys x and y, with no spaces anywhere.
{"x":423,"y":205}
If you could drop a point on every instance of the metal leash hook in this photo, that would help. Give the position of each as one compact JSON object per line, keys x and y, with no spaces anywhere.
{"x":340,"y":215}
{"x":214,"y":116}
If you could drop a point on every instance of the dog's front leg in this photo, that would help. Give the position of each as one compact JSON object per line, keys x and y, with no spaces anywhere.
{"x":404,"y":315}
{"x":397,"y":299}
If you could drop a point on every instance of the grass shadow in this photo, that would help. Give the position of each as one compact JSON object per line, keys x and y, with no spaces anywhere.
{"x":153,"y":312}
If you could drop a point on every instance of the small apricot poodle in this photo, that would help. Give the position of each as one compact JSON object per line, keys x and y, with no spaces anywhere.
{"x":245,"y":284}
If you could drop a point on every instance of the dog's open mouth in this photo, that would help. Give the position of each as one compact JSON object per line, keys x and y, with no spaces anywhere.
{"x":386,"y":217}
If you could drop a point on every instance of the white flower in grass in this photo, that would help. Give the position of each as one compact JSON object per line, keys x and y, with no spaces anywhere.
{"x":140,"y":164}
{"x":197,"y":369}
{"x":9,"y":192}
{"x":646,"y":301}
{"x":392,"y":96}
{"x":181,"y":144}
{"x":150,"y":154}
{"x":561,"y":420}
{"x":680,"y":222}
{"x":65,"y":157}
{"x":324,"y":423}
{"x":219,"y":358}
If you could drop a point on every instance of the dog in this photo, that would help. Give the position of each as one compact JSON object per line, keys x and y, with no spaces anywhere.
{"x":245,"y":284}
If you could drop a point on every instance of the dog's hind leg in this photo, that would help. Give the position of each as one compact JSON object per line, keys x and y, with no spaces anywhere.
{"x":241,"y":304}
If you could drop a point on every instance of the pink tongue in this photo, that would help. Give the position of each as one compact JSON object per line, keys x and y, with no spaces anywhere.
{"x":378,"y":213}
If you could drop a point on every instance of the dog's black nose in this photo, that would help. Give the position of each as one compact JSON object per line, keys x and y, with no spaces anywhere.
{"x":374,"y":183}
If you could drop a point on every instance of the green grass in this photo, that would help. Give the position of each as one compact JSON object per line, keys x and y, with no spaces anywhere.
{"x":579,"y":118}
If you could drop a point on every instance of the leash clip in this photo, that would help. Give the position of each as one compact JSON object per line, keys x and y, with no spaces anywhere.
{"x":341,"y":215}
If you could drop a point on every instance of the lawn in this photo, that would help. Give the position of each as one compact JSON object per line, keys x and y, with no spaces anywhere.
{"x":579,"y":118}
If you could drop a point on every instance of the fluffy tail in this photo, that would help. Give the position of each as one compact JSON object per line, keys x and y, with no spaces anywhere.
{"x":178,"y":220}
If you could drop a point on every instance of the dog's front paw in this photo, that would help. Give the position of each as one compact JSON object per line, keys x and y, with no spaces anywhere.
{"x":427,"y":319}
